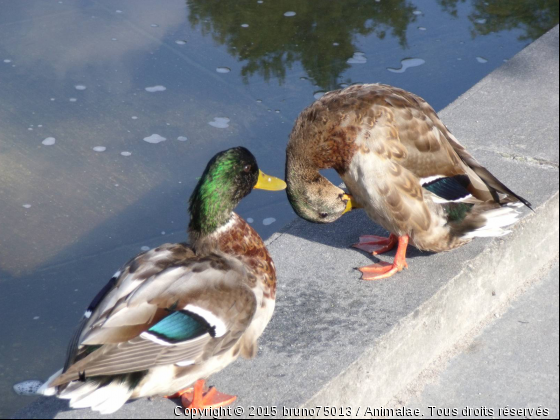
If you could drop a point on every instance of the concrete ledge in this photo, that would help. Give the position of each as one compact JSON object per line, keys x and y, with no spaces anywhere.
{"x":479,"y":290}
{"x":338,"y":341}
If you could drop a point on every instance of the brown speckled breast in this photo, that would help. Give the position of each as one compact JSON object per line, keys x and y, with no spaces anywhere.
{"x":243,"y":242}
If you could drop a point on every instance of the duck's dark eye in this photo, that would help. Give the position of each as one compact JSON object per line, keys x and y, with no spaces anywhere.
{"x":247,"y":168}
{"x":323,"y":215}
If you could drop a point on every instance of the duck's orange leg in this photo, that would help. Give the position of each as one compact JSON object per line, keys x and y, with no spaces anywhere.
{"x":383,"y":270}
{"x":377,"y":244}
{"x":200,"y":398}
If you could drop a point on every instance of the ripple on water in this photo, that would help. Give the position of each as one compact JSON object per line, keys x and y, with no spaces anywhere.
{"x":319,"y":94}
{"x":223,"y":70}
{"x":157,"y":88}
{"x":481,"y":21}
{"x":244,"y":25}
{"x":145,"y":248}
{"x":408,"y":63}
{"x":49,"y":141}
{"x":180,"y":42}
{"x":220,"y":122}
{"x":482,"y":60}
{"x":417,"y":12}
{"x":182,"y":138}
{"x":289,"y":14}
{"x":26,"y":206}
{"x":80,"y":87}
{"x":358,"y":58}
{"x":7,"y":60}
{"x":126,"y":154}
{"x":99,"y":149}
{"x":250,"y":220}
{"x":268,"y":221}
{"x":27,"y":387}
{"x":154,"y":139}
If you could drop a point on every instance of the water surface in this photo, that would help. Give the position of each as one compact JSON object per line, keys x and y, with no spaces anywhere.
{"x":110,"y":111}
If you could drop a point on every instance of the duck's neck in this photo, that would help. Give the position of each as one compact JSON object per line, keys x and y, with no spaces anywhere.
{"x":220,"y":239}
{"x":207,"y":220}
{"x":211,"y":209}
{"x":305,"y":184}
{"x":300,"y":173}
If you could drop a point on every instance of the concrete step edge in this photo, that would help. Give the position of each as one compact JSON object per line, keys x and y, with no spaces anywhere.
{"x":484,"y":285}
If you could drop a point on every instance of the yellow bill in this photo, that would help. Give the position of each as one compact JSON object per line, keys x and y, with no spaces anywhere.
{"x":270,"y":183}
{"x":351,"y":203}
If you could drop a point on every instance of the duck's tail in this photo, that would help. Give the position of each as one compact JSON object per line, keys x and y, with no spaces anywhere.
{"x":496,"y":222}
{"x":46,"y":389}
{"x":468,"y":221}
{"x":103,"y":394}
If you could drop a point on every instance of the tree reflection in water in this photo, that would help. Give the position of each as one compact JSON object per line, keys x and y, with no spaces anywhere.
{"x":321,"y":36}
{"x":534,"y":17}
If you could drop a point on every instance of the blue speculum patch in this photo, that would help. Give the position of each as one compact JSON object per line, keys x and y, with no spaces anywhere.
{"x":70,"y":216}
{"x":180,"y":326}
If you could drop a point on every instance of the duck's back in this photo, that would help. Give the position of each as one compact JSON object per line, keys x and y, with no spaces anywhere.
{"x":389,"y":146}
{"x":167,"y":318}
{"x":239,"y":240}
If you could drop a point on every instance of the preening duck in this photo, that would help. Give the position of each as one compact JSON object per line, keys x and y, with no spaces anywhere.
{"x":402,"y":165}
{"x":176,"y":314}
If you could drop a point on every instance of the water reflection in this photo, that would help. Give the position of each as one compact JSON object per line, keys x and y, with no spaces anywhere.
{"x":533,"y":17}
{"x":319,"y":35}
{"x":160,"y":101}
{"x":322,"y":35}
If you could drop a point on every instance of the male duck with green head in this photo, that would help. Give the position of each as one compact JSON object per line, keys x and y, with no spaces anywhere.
{"x":178,"y":313}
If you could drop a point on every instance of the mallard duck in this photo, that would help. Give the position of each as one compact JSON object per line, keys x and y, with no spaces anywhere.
{"x":174,"y":315}
{"x":402,"y":165}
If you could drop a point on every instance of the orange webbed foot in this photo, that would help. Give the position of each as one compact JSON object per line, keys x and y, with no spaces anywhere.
{"x":200,"y":398}
{"x":376,"y":244}
{"x":180,"y":394}
{"x":383,"y":270}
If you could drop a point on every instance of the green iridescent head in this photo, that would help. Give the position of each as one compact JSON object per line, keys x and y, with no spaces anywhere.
{"x":228,"y":177}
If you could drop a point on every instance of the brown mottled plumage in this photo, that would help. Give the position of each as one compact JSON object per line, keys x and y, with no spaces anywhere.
{"x":242,"y":241}
{"x":399,"y":162}
{"x":174,"y":315}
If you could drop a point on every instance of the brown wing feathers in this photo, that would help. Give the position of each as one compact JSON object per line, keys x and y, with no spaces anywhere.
{"x":433,"y":150}
{"x":121,"y":329}
{"x":493,"y":185}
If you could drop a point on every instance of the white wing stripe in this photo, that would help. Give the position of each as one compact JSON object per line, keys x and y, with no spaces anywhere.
{"x":438,"y":200}
{"x":212,"y":319}
{"x":185,"y":363}
{"x":147,"y":336}
{"x":427,"y":180}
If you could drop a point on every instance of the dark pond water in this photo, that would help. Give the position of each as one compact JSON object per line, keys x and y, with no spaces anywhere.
{"x":109,"y":111}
